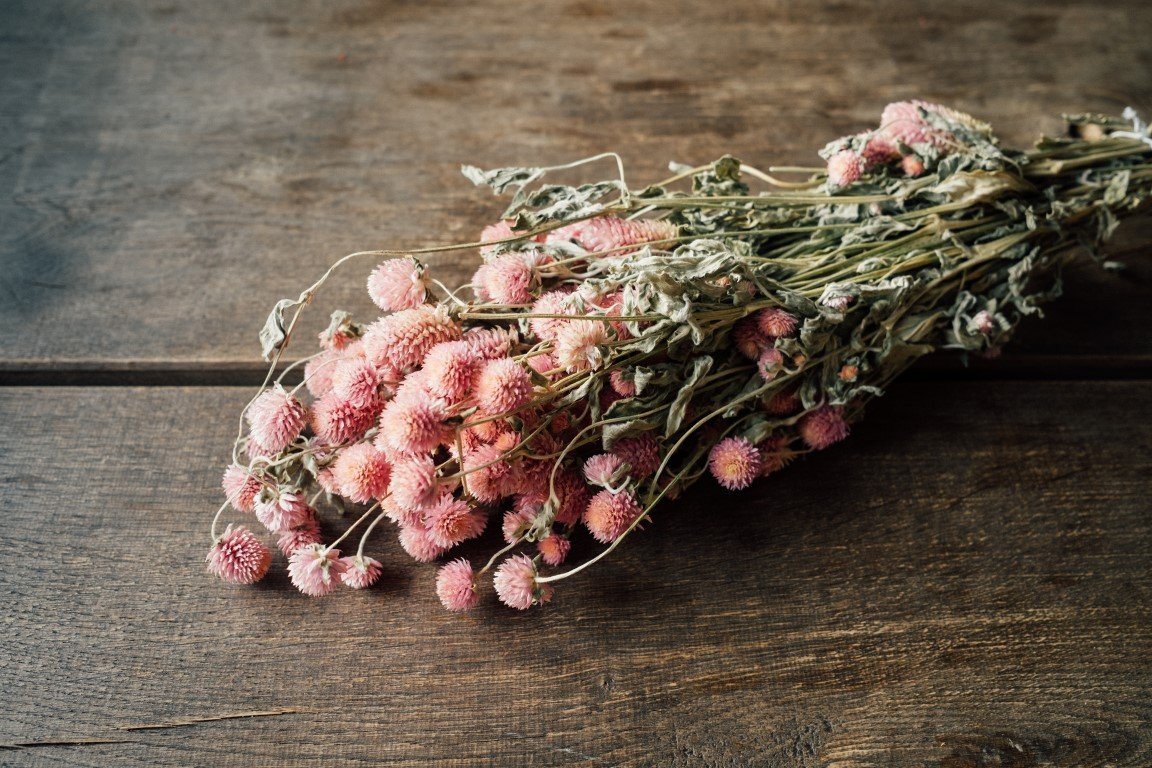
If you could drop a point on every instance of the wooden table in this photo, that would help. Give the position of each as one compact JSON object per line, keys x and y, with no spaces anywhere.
{"x":965,"y":582}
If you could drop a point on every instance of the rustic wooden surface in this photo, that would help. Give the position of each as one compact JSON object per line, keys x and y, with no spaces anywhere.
{"x":965,"y":583}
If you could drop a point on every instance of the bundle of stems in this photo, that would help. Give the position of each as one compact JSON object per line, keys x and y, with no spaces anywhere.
{"x":617,"y":344}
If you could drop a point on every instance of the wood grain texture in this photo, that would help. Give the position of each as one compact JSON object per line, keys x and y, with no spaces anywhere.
{"x":965,"y":582}
{"x":169,"y":170}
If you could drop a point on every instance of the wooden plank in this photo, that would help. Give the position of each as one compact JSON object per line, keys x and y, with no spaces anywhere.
{"x":168,"y":171}
{"x":965,"y":582}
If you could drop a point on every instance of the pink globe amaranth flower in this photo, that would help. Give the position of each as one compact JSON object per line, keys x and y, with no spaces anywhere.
{"x":456,"y":586}
{"x":418,"y":543}
{"x":515,"y":582}
{"x":398,"y":284}
{"x":480,"y":281}
{"x":844,"y":168}
{"x":241,"y":488}
{"x":491,"y":343}
{"x":554,"y":549}
{"x":318,"y":372}
{"x":621,"y":384}
{"x":983,"y":322}
{"x":501,"y":230}
{"x":612,"y":305}
{"x":357,"y":381}
{"x":283,"y":510}
{"x":748,"y":337}
{"x":449,"y":370}
{"x":360,"y":571}
{"x":771,"y":362}
{"x":572,"y":495}
{"x":775,"y":454}
{"x":451,"y":521}
{"x":502,"y":386}
{"x":490,"y":473}
{"x":327,"y":481}
{"x":409,"y":425}
{"x":337,"y":421}
{"x":315,"y":569}
{"x":822,"y":427}
{"x":516,"y":523}
{"x":912,"y":165}
{"x":401,"y":340}
{"x":276,"y":419}
{"x":902,"y":121}
{"x":776,"y":322}
{"x":239,"y":557}
{"x":551,"y":303}
{"x":303,"y":535}
{"x":600,"y":469}
{"x":879,"y":150}
{"x":610,"y":514}
{"x":402,"y":516}
{"x":642,"y":453}
{"x":579,"y":345}
{"x":734,"y":462}
{"x":509,"y":278}
{"x":362,"y":473}
{"x":413,"y":482}
{"x":610,"y":233}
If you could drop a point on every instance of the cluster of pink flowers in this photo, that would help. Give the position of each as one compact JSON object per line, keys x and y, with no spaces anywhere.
{"x":904,"y":139}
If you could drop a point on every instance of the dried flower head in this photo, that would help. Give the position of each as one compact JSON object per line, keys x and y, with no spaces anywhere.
{"x":398,"y":284}
{"x":413,"y":482}
{"x":613,"y":234}
{"x":401,"y":340}
{"x":360,"y":571}
{"x":239,"y":557}
{"x":554,"y":549}
{"x":456,"y":585}
{"x":280,"y":510}
{"x":822,"y":427}
{"x":502,"y":387}
{"x":362,"y":473}
{"x":241,"y":488}
{"x":776,"y":323}
{"x":734,"y":462}
{"x":551,"y":303}
{"x":603,"y":469}
{"x":337,"y":421}
{"x":610,"y":514}
{"x":411,"y":425}
{"x":579,"y":345}
{"x":417,"y":541}
{"x":516,"y":585}
{"x":642,"y":453}
{"x":844,"y":168}
{"x":451,"y":520}
{"x":276,"y":419}
{"x":450,"y":369}
{"x":358,"y":381}
{"x":304,"y":534}
{"x":315,"y":569}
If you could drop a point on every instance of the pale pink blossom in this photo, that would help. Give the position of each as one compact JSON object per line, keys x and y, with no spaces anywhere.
{"x":337,"y":421}
{"x":239,"y":557}
{"x":413,"y":481}
{"x":544,"y":364}
{"x":572,"y":495}
{"x":489,"y":472}
{"x":602,"y":468}
{"x":450,"y":369}
{"x":327,"y":481}
{"x":776,"y":322}
{"x":502,"y":386}
{"x":283,"y":510}
{"x":823,"y":427}
{"x":621,"y":383}
{"x":879,"y":150}
{"x":315,"y":569}
{"x":516,"y":586}
{"x":398,"y":284}
{"x":516,"y":522}
{"x":241,"y":487}
{"x":508,"y":278}
{"x":456,"y":586}
{"x":276,"y":419}
{"x":844,"y":168}
{"x":613,"y":234}
{"x":358,"y":381}
{"x":401,"y":340}
{"x":451,"y":520}
{"x":983,"y":322}
{"x":551,"y":303}
{"x":501,"y":230}
{"x":771,"y":362}
{"x":554,"y":549}
{"x":362,"y":473}
{"x":360,"y":571}
{"x":610,"y":514}
{"x":418,"y":543}
{"x":580,"y":345}
{"x":903,"y":121}
{"x":748,"y":337}
{"x":305,"y":534}
{"x":491,"y":343}
{"x":642,"y":453}
{"x":912,"y":165}
{"x":401,"y":515}
{"x":410,"y":425}
{"x":734,"y":462}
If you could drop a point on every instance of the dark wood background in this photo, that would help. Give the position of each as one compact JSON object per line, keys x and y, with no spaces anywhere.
{"x":963,"y":583}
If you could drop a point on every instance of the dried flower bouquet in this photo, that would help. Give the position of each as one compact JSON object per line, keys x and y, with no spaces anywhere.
{"x":616,"y":345}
